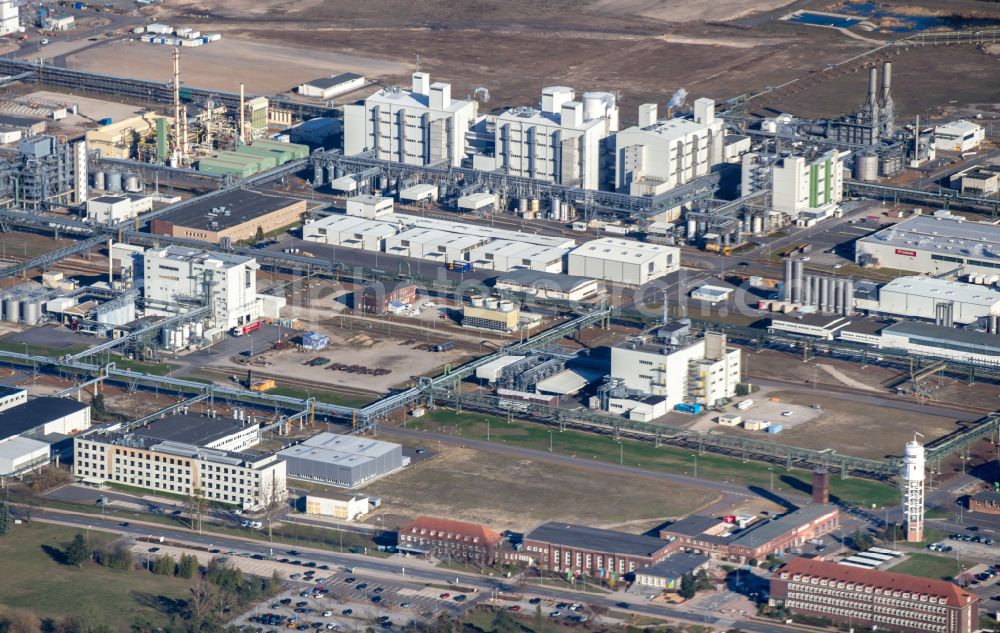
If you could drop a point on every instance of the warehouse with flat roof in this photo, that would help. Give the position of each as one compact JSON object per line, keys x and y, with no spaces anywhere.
{"x":623,"y":261}
{"x":237,"y":215}
{"x":933,"y":246}
{"x":342,"y":460}
{"x":209,"y":431}
{"x":549,"y":285}
{"x":921,"y":298}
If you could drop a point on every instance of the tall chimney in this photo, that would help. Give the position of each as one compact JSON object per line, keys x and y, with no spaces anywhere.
{"x":886,"y":82}
{"x":821,"y":486}
{"x":872,"y":83}
{"x":242,"y":135}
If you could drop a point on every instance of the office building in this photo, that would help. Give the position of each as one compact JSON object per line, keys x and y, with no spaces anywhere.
{"x":658,"y":155}
{"x":684,"y":370}
{"x":561,"y":143}
{"x":870,"y":598}
{"x":933,"y":246}
{"x":449,"y":539}
{"x":248,"y":481}
{"x":227,"y":282}
{"x":236,"y":215}
{"x":420,"y":126}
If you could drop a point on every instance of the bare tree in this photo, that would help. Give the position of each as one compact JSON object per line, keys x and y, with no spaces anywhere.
{"x":196,"y":505}
{"x":202,"y":598}
{"x":273,"y":499}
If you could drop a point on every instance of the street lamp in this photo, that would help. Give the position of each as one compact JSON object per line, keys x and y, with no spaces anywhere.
{"x":695,"y":456}
{"x":771,"y":471}
{"x":621,"y":453}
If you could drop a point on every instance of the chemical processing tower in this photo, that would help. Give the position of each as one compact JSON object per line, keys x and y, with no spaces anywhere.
{"x":913,"y":491}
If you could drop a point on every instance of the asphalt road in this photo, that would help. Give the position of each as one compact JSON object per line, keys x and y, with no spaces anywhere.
{"x":361,"y":564}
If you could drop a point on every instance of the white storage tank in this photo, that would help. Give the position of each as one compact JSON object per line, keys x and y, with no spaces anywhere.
{"x":11,"y":310}
{"x":506,"y":306}
{"x":492,"y":303}
{"x":32,"y":312}
{"x":866,"y":168}
{"x":99,"y":180}
{"x":199,"y":330}
{"x":132,"y":183}
{"x":165,"y":337}
{"x":477,"y":302}
{"x":114,"y":181}
{"x":185,"y":334}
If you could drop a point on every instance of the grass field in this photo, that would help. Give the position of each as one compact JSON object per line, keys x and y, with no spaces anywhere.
{"x":153,"y":369}
{"x":520,"y":493}
{"x":634,"y":453}
{"x":40,"y":350}
{"x":51,"y":589}
{"x":931,"y":566}
{"x":329,"y":397}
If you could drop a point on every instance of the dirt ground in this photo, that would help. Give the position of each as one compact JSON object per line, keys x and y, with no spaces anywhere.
{"x":851,"y":428}
{"x":222,"y":65}
{"x":403,"y":357}
{"x":644,"y":50}
{"x":90,"y":110}
{"x":482,"y":487}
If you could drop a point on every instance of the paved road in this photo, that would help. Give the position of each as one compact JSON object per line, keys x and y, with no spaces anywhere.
{"x":732,"y":489}
{"x":363,"y":564}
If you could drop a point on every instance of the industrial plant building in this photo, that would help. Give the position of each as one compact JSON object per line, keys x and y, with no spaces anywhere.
{"x":933,"y":246}
{"x":33,"y":431}
{"x":582,"y":550}
{"x":343,"y":460}
{"x":561,"y":143}
{"x":492,"y":313}
{"x":330,"y":87}
{"x":115,"y":208}
{"x":547,"y":285}
{"x":226,"y":282}
{"x":420,"y":126}
{"x":236,"y":215}
{"x":207,"y":430}
{"x":623,"y":261}
{"x":142,"y":137}
{"x":656,"y":156}
{"x":959,"y":136}
{"x":677,"y":366}
{"x":872,"y":598}
{"x":932,"y":299}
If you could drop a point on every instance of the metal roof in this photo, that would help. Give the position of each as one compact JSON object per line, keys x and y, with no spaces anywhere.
{"x":190,"y":429}
{"x":596,"y":539}
{"x":621,"y":250}
{"x":675,"y":566}
{"x":540,"y":279}
{"x":331,"y":82}
{"x":943,"y":334}
{"x":943,"y":289}
{"x":35,"y":413}
{"x":765,"y":532}
{"x":946,"y":236}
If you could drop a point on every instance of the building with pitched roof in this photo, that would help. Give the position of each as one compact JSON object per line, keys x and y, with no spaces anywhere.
{"x":447,"y":538}
{"x":562,"y":547}
{"x":870,"y":598}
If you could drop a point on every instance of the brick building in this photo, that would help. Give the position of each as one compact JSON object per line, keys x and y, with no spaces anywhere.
{"x":987,"y":502}
{"x":445,"y":538}
{"x":375,"y":299}
{"x":559,"y":547}
{"x":871,"y":598}
{"x":235,"y":215}
{"x":717,"y":539}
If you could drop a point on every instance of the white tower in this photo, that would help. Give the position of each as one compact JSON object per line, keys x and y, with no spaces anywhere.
{"x":913,"y":490}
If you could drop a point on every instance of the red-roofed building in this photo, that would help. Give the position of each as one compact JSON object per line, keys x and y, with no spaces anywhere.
{"x":446,"y":538}
{"x":871,"y":598}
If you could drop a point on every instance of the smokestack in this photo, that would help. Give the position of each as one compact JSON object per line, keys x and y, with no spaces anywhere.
{"x":798,"y":266}
{"x":789,"y":278}
{"x":872,"y":84}
{"x":886,"y":82}
{"x":821,"y":486}
{"x":177,"y":102}
{"x":240,"y":136}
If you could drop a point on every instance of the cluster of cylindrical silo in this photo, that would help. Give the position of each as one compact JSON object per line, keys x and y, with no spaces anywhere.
{"x":826,"y":294}
{"x":179,"y":336}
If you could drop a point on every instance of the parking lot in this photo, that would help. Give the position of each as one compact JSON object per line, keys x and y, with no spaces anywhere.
{"x":345,"y":600}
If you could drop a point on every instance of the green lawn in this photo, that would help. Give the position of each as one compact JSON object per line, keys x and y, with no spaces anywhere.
{"x":329,"y":397}
{"x":33,"y":580}
{"x":41,"y":350}
{"x":635,"y":453}
{"x":931,"y":566}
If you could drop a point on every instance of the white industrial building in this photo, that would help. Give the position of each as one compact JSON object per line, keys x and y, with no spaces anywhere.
{"x":959,"y":136}
{"x":9,"y":16}
{"x":681,"y":369}
{"x":560,"y":143}
{"x":924,"y":298}
{"x":809,"y":187}
{"x":933,"y":246}
{"x":343,"y":460}
{"x":108,"y":209}
{"x":547,"y":285}
{"x":330,"y":87}
{"x":420,"y":126}
{"x":434,"y":245}
{"x":176,"y":273}
{"x":507,"y":255}
{"x":349,"y":232}
{"x":347,"y":506}
{"x":939,"y":341}
{"x":369,"y":206}
{"x":31,"y":430}
{"x":623,"y":261}
{"x":656,"y":156}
